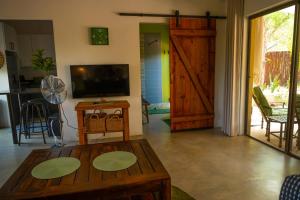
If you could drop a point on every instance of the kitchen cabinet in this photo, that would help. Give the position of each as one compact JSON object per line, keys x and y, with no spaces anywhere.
{"x":28,"y":44}
{"x":10,"y":38}
{"x":25,"y":52}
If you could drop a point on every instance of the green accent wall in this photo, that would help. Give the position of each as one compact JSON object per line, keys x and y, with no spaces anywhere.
{"x":163,"y":29}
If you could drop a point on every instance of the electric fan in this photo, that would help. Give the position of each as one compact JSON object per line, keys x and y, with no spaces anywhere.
{"x":53,"y":90}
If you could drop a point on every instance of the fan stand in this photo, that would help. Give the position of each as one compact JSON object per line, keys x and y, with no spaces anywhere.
{"x":58,"y":143}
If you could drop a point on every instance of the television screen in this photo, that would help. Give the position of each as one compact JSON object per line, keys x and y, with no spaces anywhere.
{"x":100,"y":80}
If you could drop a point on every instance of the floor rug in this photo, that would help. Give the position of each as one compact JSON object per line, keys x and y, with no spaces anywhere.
{"x":158,"y":111}
{"x":159,"y":108}
{"x":167,"y":121}
{"x":178,"y":194}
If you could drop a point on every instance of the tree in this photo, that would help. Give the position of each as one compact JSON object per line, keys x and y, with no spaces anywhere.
{"x":279,"y":27}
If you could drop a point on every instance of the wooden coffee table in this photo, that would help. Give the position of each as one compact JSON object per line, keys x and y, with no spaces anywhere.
{"x":147,"y":176}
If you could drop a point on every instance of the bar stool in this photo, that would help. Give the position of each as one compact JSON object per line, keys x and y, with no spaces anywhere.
{"x":33,"y":119}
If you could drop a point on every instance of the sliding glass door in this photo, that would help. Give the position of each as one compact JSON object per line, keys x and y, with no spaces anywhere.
{"x":273,"y":75}
{"x":293,"y":134}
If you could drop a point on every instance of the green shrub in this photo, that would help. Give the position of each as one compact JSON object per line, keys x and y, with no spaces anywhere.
{"x":41,"y":62}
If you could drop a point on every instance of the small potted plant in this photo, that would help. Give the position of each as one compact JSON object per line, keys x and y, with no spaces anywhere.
{"x":41,"y":62}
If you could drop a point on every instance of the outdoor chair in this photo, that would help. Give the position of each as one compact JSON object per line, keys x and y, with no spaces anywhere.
{"x":270,"y":114}
{"x":297,"y":114}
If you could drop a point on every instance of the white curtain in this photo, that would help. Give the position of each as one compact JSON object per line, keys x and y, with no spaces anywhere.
{"x":234,"y":94}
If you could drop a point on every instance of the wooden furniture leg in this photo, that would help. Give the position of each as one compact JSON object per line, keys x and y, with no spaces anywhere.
{"x":268,"y":130}
{"x":166,"y":190}
{"x":82,"y":135}
{"x":126,"y":124}
{"x":280,"y":136}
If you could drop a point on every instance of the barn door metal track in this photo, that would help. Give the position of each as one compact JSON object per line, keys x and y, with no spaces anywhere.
{"x":176,"y":14}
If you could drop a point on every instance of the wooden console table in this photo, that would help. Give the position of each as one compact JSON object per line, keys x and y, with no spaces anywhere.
{"x":82,"y":107}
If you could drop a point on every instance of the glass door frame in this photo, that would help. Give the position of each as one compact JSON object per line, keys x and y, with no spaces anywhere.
{"x":293,"y":76}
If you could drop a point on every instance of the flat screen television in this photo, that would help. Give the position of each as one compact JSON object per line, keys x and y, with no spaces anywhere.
{"x":100,"y":80}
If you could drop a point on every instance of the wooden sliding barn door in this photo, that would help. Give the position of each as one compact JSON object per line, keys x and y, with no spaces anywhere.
{"x":192,"y":65}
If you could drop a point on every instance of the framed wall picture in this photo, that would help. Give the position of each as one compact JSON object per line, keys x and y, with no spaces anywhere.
{"x":99,"y":36}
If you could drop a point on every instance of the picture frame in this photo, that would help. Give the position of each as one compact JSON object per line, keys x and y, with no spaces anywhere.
{"x":99,"y":36}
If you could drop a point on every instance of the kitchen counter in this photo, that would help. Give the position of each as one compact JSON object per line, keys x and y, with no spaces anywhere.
{"x":21,"y":91}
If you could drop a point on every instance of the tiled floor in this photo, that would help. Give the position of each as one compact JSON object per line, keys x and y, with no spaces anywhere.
{"x":206,"y":164}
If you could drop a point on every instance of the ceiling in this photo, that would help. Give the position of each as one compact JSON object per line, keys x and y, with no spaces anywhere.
{"x":31,"y":26}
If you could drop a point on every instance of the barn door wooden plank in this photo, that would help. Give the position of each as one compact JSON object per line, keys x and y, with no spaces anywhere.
{"x":193,"y":33}
{"x":191,"y":74}
{"x":192,"y":118}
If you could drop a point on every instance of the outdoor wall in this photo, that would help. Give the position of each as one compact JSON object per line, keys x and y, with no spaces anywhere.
{"x":251,"y":7}
{"x":163,"y":29}
{"x":71,"y":20}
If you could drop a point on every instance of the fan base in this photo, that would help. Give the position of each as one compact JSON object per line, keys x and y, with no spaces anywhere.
{"x":58,"y":145}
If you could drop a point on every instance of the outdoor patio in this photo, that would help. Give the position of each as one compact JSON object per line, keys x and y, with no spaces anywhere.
{"x":260,"y":133}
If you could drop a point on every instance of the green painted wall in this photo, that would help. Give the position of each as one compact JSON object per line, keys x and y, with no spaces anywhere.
{"x":163,"y":29}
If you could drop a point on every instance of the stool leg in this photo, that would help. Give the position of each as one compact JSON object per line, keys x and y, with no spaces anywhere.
{"x":44,"y":112}
{"x":27,"y":122}
{"x":41,"y":122}
{"x":20,"y":126}
{"x":33,"y":120}
{"x":19,"y":143}
{"x":20,"y":131}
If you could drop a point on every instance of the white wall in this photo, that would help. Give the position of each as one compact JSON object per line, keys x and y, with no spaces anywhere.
{"x":254,"y":6}
{"x":71,"y":20}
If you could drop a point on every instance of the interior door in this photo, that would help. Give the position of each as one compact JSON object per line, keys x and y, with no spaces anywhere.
{"x":192,"y":65}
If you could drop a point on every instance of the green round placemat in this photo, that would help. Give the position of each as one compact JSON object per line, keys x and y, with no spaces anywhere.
{"x":55,"y":168}
{"x":114,"y":161}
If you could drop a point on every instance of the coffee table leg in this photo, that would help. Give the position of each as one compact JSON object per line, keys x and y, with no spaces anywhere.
{"x":166,"y":190}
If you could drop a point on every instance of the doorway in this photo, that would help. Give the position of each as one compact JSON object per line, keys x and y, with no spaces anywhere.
{"x":272,"y":78}
{"x":19,"y":79}
{"x":155,"y":70}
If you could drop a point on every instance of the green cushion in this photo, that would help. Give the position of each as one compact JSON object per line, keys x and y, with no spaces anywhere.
{"x":114,"y":161}
{"x":297,"y":107}
{"x":279,"y":111}
{"x":55,"y":168}
{"x":262,"y":101}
